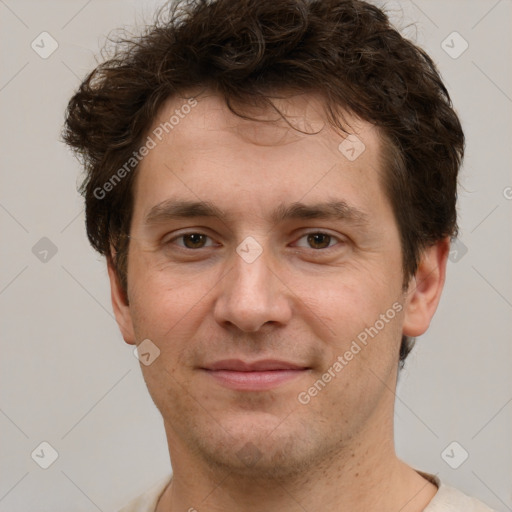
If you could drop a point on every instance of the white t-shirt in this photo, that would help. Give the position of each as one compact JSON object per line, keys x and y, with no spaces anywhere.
{"x":447,"y":499}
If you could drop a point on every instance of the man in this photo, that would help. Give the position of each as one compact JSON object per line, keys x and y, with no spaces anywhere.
{"x":273,"y":184}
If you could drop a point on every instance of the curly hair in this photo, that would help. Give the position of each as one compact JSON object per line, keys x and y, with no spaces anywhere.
{"x":245,"y":50}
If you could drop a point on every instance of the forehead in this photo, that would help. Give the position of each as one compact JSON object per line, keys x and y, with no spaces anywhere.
{"x":204,"y":150}
{"x":290,"y":119}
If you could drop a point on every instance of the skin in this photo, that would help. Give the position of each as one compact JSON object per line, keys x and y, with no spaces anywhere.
{"x":300,"y":301}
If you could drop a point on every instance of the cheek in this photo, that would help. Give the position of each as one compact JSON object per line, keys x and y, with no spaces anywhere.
{"x":364,"y":316}
{"x":169,"y":313}
{"x":350,"y":300}
{"x":360,"y":364}
{"x":163,"y":303}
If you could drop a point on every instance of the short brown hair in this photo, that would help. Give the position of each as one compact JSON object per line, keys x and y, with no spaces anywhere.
{"x":345,"y":50}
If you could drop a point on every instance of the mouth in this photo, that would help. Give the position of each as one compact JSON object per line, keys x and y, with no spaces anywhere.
{"x":256,"y":376}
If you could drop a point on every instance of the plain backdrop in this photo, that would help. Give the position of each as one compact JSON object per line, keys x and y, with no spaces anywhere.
{"x":67,"y":377}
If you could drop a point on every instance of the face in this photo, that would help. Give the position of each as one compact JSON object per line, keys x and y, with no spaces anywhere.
{"x":265,"y":266}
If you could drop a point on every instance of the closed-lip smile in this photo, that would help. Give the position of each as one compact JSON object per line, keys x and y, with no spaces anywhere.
{"x":253,"y":376}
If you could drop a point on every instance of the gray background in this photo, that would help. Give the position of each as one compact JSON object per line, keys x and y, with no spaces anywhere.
{"x":68,"y":378}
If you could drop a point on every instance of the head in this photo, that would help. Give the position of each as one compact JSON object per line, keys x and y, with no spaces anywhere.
{"x":249,"y":108}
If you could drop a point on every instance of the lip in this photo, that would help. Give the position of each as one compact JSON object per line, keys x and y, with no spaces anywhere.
{"x":237,"y":365}
{"x":253,"y":376}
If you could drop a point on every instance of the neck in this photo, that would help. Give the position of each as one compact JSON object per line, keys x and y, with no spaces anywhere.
{"x":364,"y":476}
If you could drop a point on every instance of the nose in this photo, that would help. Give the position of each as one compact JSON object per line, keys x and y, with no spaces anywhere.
{"x":252,"y":295}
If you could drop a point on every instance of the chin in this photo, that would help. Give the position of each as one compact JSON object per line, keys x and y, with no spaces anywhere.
{"x":259,"y":448}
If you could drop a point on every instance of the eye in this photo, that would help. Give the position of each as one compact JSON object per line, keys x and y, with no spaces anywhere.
{"x":192,"y":240}
{"x":318,"y":240}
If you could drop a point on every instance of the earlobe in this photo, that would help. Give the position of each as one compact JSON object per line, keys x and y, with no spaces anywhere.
{"x":120,"y":305}
{"x":425,"y":288}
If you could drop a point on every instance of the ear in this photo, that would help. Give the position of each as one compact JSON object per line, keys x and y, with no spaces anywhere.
{"x":425,"y":288}
{"x":120,"y":305}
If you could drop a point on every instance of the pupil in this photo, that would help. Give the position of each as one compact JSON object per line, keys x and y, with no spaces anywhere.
{"x":317,"y":239}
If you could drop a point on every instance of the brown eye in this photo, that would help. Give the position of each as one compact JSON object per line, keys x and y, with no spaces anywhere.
{"x":319,"y":240}
{"x":194,"y":240}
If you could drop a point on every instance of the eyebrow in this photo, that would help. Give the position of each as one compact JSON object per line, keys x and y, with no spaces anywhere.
{"x":330,"y":210}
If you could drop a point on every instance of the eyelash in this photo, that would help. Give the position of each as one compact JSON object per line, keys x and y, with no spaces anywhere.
{"x":182,"y":235}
